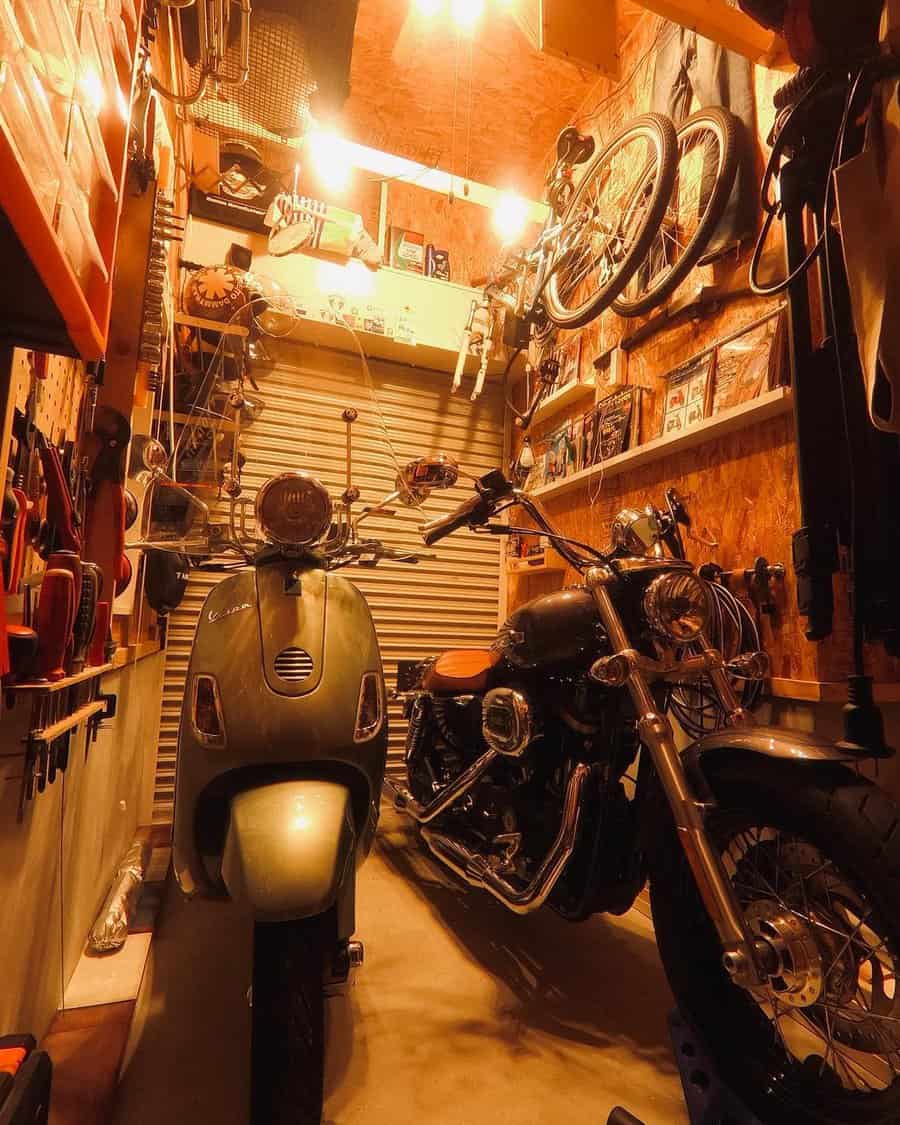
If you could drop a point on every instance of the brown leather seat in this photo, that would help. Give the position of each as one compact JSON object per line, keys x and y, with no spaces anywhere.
{"x":465,"y":669}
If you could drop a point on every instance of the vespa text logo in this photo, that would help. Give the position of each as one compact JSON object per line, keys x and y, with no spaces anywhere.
{"x":214,"y":616}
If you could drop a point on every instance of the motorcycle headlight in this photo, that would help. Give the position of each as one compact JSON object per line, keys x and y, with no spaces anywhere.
{"x":293,"y":509}
{"x":677,"y":606}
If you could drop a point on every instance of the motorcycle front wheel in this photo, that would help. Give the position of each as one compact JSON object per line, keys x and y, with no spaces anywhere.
{"x":288,"y":1024}
{"x":813,"y":853}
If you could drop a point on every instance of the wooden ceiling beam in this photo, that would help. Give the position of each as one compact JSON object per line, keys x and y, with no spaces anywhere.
{"x":566,"y":30}
{"x":718,"y":21}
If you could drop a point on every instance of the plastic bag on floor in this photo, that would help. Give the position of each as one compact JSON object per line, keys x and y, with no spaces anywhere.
{"x":111,"y":928}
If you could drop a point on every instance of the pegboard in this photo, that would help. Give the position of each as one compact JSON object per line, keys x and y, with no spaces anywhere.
{"x":58,"y":396}
{"x":58,"y":403}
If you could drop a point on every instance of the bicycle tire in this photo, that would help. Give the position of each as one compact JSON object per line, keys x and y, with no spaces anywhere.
{"x":660,"y":131}
{"x":723,"y":123}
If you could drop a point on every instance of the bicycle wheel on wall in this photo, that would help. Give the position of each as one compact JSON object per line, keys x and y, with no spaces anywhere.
{"x":612,"y":220}
{"x":706,"y":167}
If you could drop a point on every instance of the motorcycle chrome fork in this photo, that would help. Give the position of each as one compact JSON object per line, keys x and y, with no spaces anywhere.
{"x":688,"y":812}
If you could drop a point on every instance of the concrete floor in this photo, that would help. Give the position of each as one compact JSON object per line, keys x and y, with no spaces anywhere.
{"x":463,"y":1012}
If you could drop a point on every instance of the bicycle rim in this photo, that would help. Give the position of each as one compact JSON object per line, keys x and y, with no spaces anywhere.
{"x":610,"y":223}
{"x":705,"y":171}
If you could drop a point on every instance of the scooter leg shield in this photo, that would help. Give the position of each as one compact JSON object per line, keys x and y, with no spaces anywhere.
{"x":290,"y":851}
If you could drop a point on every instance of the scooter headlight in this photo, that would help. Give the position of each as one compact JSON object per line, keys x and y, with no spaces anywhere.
{"x":293,"y":509}
{"x":677,"y":606}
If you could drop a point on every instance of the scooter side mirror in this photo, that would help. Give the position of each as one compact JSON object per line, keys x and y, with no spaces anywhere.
{"x":418,"y":478}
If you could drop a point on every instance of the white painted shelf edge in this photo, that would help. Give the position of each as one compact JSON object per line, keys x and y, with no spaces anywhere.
{"x":561,"y":398}
{"x":768,"y":405}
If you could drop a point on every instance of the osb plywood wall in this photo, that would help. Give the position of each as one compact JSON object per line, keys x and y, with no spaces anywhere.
{"x":741,"y":489}
{"x":485,"y":106}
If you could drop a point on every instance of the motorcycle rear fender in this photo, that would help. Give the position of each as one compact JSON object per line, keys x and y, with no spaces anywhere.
{"x":290,"y":851}
{"x":769,"y":742}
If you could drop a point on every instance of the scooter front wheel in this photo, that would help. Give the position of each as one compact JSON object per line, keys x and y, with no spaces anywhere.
{"x":288,"y":1036}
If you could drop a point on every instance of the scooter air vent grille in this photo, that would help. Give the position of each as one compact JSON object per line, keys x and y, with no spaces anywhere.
{"x":293,"y":665}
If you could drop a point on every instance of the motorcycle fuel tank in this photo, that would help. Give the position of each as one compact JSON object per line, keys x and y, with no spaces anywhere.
{"x":287,"y":650}
{"x":554,"y":629}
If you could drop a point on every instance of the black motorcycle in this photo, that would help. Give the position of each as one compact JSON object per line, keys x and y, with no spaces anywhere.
{"x":547,"y":770}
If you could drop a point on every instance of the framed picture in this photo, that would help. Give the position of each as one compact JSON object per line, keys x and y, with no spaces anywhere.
{"x":687,"y":394}
{"x":569,"y":356}
{"x":748,"y":364}
{"x":614,"y":415}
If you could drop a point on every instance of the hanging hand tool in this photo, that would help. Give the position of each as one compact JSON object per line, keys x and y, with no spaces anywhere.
{"x":60,"y":531}
{"x":100,"y":639}
{"x":68,"y":560}
{"x":55,"y":617}
{"x":86,"y":614}
{"x":105,"y":522}
{"x":23,"y":650}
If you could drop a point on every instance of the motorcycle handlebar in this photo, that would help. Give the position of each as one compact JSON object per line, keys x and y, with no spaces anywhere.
{"x":475,"y":510}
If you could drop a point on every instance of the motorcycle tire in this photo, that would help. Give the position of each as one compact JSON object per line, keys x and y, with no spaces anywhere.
{"x":823,"y":812}
{"x":658,"y":172}
{"x":288,"y":1022}
{"x":639,"y":298}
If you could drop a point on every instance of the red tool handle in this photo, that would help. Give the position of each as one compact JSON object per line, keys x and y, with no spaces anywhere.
{"x":60,"y":509}
{"x":67,"y":560}
{"x":55,"y":613}
{"x":97,"y":651}
{"x":19,"y":542}
{"x":4,"y":643}
{"x":106,"y":530}
{"x":23,"y":648}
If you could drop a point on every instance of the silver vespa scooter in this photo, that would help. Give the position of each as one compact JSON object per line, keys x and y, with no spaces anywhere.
{"x":281,"y":756}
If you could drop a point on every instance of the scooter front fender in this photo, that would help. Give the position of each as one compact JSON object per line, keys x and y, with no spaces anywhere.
{"x":290,"y":851}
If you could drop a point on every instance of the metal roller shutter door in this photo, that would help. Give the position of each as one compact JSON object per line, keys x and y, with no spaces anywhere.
{"x":451,"y":601}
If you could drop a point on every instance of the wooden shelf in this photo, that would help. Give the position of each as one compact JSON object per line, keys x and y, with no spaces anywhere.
{"x":378,"y":346}
{"x":543,"y":563}
{"x":47,"y":688}
{"x":563,"y":397}
{"x":60,"y":311}
{"x":212,"y":325}
{"x":827,"y":691}
{"x":768,"y":405}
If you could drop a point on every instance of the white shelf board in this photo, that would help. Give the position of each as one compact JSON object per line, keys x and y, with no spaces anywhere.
{"x":770,"y":404}
{"x":564,"y":397}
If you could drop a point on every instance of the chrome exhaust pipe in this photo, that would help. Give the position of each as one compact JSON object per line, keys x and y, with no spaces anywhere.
{"x":475,"y":869}
{"x":406,"y":802}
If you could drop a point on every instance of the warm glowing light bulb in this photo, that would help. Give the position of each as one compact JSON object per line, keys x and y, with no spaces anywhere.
{"x":428,"y":7}
{"x":510,"y":216}
{"x":92,"y":89}
{"x":466,"y":13}
{"x":329,"y":158}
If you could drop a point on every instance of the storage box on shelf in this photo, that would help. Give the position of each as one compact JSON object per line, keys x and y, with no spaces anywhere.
{"x":65,"y":88}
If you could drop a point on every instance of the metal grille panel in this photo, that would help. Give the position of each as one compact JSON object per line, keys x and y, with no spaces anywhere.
{"x":272,"y":103}
{"x":448,"y":602}
{"x":293,"y":665}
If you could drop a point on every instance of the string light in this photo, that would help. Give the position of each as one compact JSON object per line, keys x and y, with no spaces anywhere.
{"x":466,"y":13}
{"x":510,"y":216}
{"x":329,"y":158}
